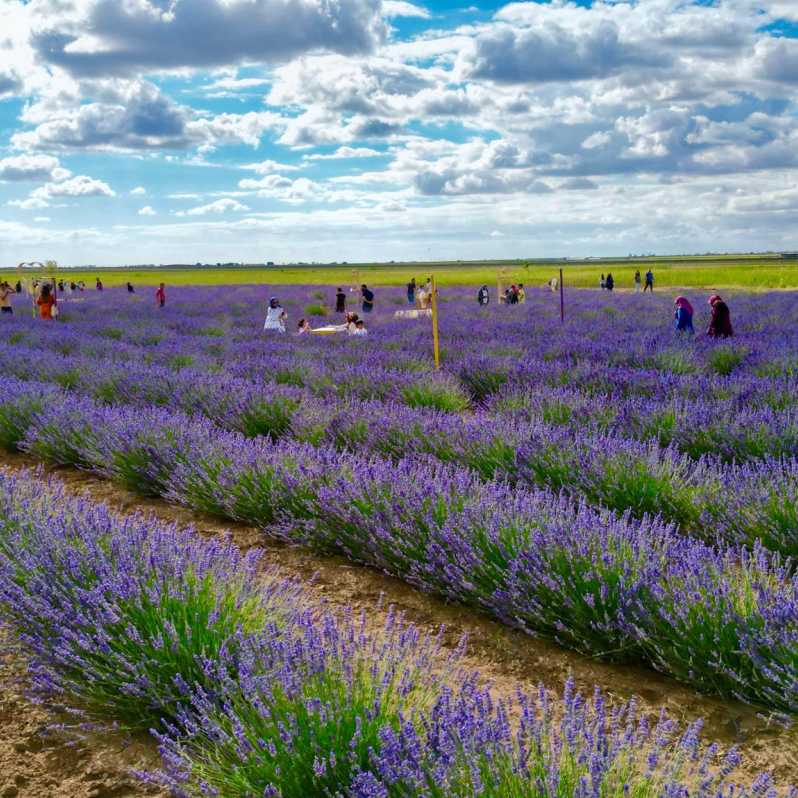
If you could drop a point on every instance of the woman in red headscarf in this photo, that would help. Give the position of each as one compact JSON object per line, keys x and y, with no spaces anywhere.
{"x":720,"y":325}
{"x":683,"y":314}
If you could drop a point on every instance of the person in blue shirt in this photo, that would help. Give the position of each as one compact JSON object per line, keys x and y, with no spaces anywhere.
{"x":368,"y":298}
{"x":411,"y":291}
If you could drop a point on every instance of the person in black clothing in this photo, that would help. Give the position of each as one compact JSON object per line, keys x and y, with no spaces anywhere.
{"x":130,"y":288}
{"x":411,"y":291}
{"x":18,"y":287}
{"x":483,"y":297}
{"x":340,"y":301}
{"x":609,"y":282}
{"x":99,"y":284}
{"x":368,"y":298}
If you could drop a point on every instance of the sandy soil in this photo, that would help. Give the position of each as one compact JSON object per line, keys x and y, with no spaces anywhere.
{"x":504,"y":656}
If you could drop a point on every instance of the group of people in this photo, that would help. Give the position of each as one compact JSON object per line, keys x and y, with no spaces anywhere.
{"x":512,"y":295}
{"x":420,"y":294}
{"x":720,"y":325}
{"x":607,"y":282}
{"x":276,"y":318}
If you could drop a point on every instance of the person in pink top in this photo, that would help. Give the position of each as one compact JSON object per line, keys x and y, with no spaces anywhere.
{"x":160,"y":295}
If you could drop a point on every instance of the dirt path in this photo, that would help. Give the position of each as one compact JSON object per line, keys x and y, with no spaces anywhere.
{"x":504,"y":656}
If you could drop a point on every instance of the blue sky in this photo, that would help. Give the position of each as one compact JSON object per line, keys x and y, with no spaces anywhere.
{"x":158,"y":131}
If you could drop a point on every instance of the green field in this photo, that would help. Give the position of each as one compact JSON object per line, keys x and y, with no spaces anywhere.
{"x":744,"y":272}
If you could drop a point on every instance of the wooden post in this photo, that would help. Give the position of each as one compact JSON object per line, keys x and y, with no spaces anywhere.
{"x":562,"y":301}
{"x":436,"y":346}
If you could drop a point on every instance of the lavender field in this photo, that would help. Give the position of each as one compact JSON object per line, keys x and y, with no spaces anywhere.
{"x":622,"y":489}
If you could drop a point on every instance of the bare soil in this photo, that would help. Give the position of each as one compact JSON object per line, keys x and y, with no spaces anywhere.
{"x":505,"y":657}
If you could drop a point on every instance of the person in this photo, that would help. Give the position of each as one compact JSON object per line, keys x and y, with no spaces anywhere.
{"x":602,"y":282}
{"x":521,"y":294}
{"x":275,"y":316}
{"x":368,"y":298}
{"x":303,"y":327}
{"x":649,"y":286}
{"x":720,"y":325}
{"x":99,"y":284}
{"x":18,"y":287}
{"x":683,"y":314}
{"x":351,"y":323}
{"x":160,"y":295}
{"x":511,"y":295}
{"x":483,"y":296}
{"x":340,"y":301}
{"x":81,"y":285}
{"x":5,"y":298}
{"x":61,"y":286}
{"x":637,"y":281}
{"x":554,"y":284}
{"x":130,"y":288}
{"x":422,"y":297}
{"x":73,"y":286}
{"x":360,"y":329}
{"x":610,"y":281}
{"x":411,"y":291}
{"x":46,"y":302}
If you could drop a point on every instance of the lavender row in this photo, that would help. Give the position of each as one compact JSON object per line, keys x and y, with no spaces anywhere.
{"x":723,"y":620}
{"x":129,"y":622}
{"x":606,"y":470}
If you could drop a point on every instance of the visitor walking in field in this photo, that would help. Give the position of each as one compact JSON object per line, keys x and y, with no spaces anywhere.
{"x":720,"y":325}
{"x":340,"y":301}
{"x":368,"y":298}
{"x":649,"y":286}
{"x":603,"y":282}
{"x":521,"y":294}
{"x":411,"y":291}
{"x":275,"y":316}
{"x":483,"y":295}
{"x":683,"y":315}
{"x":637,"y":281}
{"x":160,"y":295}
{"x":5,"y":298}
{"x":130,"y":288}
{"x":99,"y":284}
{"x":46,"y":302}
{"x":610,"y":281}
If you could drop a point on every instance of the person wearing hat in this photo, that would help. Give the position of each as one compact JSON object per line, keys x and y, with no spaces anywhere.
{"x":720,"y":325}
{"x":275,"y":316}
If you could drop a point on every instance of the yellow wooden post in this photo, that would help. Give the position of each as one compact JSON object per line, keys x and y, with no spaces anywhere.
{"x":436,"y":344}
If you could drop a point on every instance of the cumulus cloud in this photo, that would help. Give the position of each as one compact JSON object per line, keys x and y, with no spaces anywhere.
{"x":552,"y":54}
{"x":78,"y":186}
{"x":147,"y":210}
{"x":401,"y":8}
{"x":31,"y":167}
{"x":138,"y":191}
{"x":225,"y":205}
{"x":104,"y":37}
{"x":345,"y":152}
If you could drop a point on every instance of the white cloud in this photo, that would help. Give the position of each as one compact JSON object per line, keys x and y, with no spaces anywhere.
{"x":220,"y":206}
{"x":106,"y":37}
{"x":346,"y":152}
{"x":138,"y":191}
{"x":267,"y":167}
{"x":31,"y":167}
{"x":401,"y":8}
{"x":147,"y":210}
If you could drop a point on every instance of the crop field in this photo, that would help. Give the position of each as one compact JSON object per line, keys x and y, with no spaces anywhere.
{"x":628,"y":493}
{"x":753,"y":273}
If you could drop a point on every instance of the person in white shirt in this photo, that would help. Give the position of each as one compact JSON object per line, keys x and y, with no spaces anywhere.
{"x":360,"y":329}
{"x":275,"y":316}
